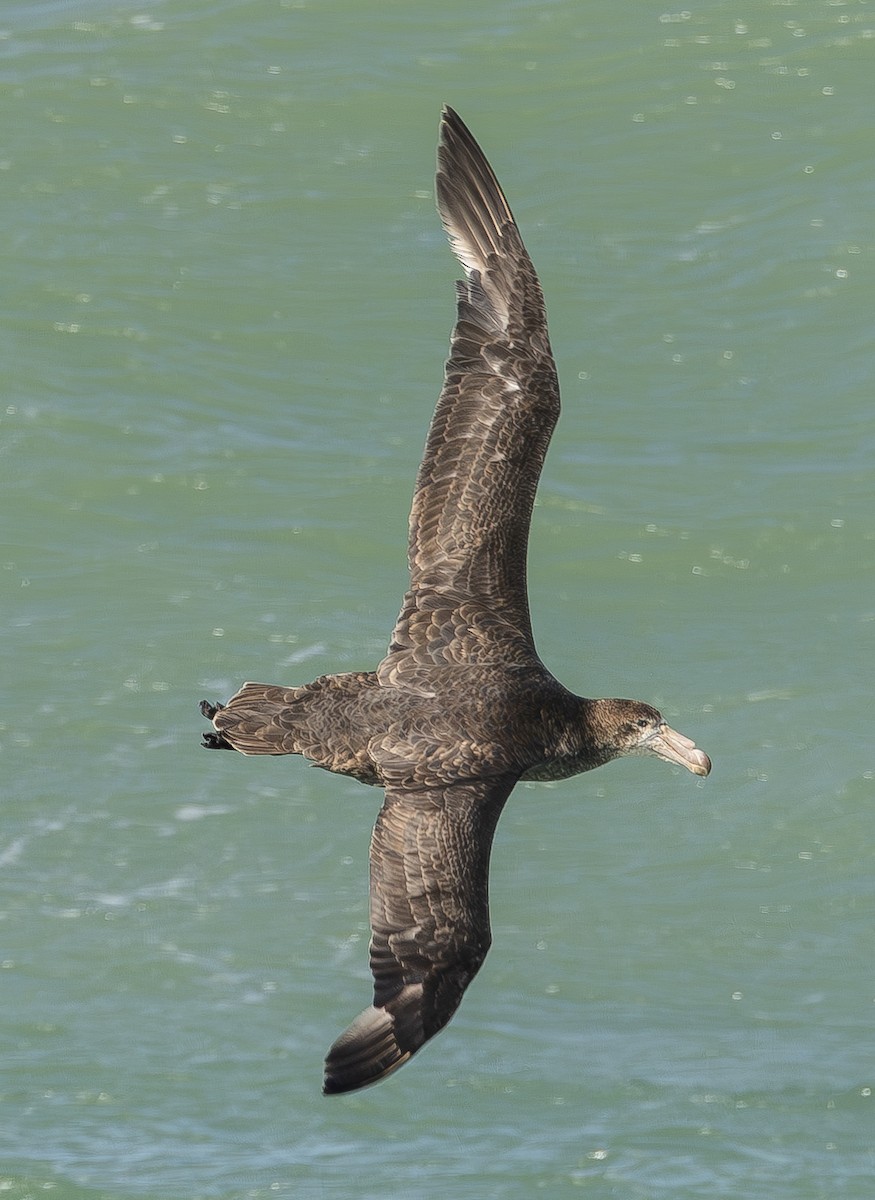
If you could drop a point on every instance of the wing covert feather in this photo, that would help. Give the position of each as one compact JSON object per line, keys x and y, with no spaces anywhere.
{"x":429,"y":920}
{"x":472,"y":504}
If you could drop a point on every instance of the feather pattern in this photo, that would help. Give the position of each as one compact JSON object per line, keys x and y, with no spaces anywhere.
{"x":472,"y":503}
{"x":461,"y":707}
{"x":429,"y":922}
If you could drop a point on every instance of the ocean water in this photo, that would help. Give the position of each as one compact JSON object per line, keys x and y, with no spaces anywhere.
{"x":226,"y":300}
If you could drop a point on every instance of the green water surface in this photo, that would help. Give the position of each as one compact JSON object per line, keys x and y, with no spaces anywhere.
{"x":226,"y":299}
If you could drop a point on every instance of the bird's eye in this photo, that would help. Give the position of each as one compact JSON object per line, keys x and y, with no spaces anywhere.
{"x":642,"y":722}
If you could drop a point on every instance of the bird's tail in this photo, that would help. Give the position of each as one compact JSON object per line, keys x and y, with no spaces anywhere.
{"x":254,"y":721}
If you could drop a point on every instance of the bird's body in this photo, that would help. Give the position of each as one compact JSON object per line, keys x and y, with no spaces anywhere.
{"x":461,"y":708}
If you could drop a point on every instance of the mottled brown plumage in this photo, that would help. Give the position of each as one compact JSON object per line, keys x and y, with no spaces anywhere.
{"x":461,"y":707}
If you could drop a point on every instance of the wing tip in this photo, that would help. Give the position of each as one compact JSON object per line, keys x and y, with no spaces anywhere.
{"x":471,"y":204}
{"x":451,"y":119}
{"x":364,"y":1053}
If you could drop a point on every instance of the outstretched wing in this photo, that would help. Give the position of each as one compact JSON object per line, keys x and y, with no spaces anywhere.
{"x":429,"y":922}
{"x":472,"y":505}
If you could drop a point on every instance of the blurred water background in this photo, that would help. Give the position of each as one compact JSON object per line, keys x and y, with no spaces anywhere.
{"x":226,"y":299}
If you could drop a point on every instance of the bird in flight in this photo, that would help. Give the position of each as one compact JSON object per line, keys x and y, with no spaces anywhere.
{"x":461,"y":708}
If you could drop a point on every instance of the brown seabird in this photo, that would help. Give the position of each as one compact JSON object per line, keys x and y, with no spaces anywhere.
{"x":461,"y":708}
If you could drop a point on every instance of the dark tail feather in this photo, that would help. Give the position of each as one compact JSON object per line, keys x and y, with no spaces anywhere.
{"x":254,"y":721}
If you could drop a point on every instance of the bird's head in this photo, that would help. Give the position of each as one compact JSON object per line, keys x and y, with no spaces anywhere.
{"x":632,"y":727}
